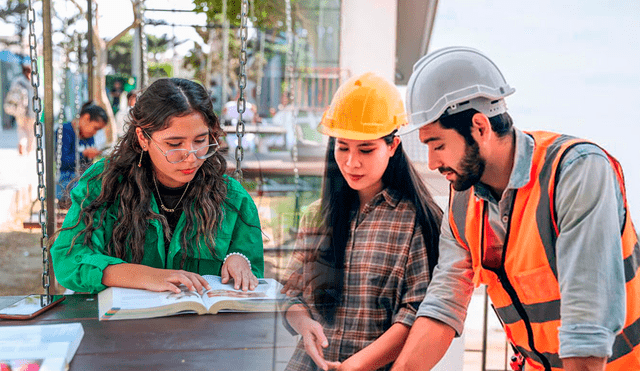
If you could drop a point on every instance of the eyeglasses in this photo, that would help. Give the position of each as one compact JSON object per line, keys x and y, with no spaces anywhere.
{"x":178,"y":155}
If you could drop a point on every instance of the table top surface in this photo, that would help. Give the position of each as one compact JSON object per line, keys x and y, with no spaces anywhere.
{"x":230,"y":341}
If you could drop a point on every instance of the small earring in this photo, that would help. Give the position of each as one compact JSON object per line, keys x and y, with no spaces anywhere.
{"x":140,"y":161}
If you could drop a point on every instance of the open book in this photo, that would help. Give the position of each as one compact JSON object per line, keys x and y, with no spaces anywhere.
{"x":120,"y":303}
{"x":49,"y":347}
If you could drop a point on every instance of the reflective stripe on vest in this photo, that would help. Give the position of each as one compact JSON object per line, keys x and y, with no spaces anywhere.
{"x":527,"y":294}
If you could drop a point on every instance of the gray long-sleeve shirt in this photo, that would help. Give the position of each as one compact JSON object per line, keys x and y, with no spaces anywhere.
{"x":590,"y":211}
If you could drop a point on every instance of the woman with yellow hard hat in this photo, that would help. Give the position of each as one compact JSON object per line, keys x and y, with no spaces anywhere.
{"x":365,"y":250}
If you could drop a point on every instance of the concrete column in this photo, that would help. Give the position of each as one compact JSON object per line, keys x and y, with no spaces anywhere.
{"x":360,"y":50}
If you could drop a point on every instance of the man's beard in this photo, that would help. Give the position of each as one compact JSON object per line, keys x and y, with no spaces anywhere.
{"x":471,"y":168}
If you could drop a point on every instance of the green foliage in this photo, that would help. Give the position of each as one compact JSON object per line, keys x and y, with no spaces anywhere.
{"x":158,"y":70}
{"x":157,"y":45}
{"x":119,"y":55}
{"x":196,"y":60}
{"x":268,"y":14}
{"x":128,"y":82}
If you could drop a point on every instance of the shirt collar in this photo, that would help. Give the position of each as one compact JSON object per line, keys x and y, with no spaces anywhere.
{"x":388,"y":195}
{"x":521,"y":172}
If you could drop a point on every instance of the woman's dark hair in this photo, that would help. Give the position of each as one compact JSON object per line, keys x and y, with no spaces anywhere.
{"x":95,"y":112}
{"x":501,"y":124}
{"x":130,"y":186}
{"x":338,"y":200}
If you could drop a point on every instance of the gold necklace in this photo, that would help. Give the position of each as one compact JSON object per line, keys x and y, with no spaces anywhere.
{"x":160,"y":197}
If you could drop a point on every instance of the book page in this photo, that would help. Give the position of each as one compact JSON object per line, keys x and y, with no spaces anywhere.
{"x":40,"y":341}
{"x":267,"y":290}
{"x":127,"y":299}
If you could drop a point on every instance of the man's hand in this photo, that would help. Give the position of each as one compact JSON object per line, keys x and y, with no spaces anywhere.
{"x":90,"y":152}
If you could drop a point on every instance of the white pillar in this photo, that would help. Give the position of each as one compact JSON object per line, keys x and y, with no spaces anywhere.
{"x":360,"y":50}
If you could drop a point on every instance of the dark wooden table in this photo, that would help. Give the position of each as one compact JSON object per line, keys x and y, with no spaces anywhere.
{"x":224,"y":341}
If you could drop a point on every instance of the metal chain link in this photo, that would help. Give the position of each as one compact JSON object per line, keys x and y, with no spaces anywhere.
{"x":38,"y":129}
{"x":225,"y":54}
{"x":242,"y":84}
{"x":77,"y":85}
{"x":61,"y":119}
{"x":259,"y":78}
{"x":76,"y":101}
{"x":288,"y":72}
{"x":290,"y":78}
{"x":143,"y":57}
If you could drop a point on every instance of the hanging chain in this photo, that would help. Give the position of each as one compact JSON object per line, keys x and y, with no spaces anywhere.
{"x":61,"y":119}
{"x":242,"y":84}
{"x":143,"y":57}
{"x":77,"y":85}
{"x":260,"y":71}
{"x":290,"y":80}
{"x":225,"y":54}
{"x":38,"y":129}
{"x":76,"y":101}
{"x":288,"y":72}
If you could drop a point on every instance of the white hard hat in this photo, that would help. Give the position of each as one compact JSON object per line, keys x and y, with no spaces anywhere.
{"x":451,"y":80}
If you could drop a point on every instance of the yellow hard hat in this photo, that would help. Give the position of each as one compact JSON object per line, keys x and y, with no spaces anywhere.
{"x":365,"y":107}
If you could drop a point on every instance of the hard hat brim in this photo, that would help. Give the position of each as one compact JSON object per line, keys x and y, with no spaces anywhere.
{"x":349,"y":134}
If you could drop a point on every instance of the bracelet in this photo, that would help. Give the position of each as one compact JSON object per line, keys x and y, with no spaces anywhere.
{"x":239,"y":254}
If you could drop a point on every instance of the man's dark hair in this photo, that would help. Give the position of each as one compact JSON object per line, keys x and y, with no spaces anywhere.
{"x":501,"y":124}
{"x":132,"y":93}
{"x":95,"y":112}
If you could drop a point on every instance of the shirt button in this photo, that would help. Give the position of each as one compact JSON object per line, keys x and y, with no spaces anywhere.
{"x":78,"y":258}
{"x":505,"y":219}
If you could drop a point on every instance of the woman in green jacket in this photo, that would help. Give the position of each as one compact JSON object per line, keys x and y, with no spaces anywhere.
{"x":159,"y":211}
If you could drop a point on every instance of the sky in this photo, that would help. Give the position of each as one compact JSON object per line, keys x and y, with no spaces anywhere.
{"x":575,"y":65}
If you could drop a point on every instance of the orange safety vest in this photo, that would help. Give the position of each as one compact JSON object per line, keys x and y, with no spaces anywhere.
{"x":525,"y":289}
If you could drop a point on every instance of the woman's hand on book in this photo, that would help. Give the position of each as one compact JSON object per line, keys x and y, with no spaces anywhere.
{"x":170,"y":280}
{"x":235,"y":267}
{"x":137,"y":276}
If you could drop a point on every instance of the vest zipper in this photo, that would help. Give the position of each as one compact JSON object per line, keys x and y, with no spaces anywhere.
{"x":506,"y":284}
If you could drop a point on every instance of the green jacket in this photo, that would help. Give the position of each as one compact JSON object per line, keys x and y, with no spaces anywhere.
{"x":81,"y":269}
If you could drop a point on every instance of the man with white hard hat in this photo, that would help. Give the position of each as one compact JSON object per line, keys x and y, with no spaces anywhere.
{"x":540,"y":218}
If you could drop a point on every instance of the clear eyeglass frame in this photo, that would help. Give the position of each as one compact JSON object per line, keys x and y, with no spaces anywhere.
{"x":175,"y":156}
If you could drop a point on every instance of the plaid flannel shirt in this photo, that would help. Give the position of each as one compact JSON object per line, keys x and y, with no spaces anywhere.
{"x":386,"y":275}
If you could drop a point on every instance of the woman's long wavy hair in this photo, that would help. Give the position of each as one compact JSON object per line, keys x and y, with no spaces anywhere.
{"x":130,"y":187}
{"x":338,"y":201}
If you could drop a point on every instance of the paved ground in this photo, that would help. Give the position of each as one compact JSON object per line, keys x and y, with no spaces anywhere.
{"x":21,"y":260}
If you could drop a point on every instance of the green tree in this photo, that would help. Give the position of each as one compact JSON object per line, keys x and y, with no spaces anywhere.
{"x":158,"y":44}
{"x":268,"y":14}
{"x":119,"y":54}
